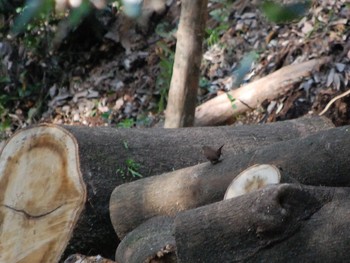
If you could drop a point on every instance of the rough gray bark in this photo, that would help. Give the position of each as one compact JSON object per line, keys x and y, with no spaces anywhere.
{"x":280,"y":223}
{"x":153,"y":240}
{"x":103,"y":155}
{"x":319,"y":159}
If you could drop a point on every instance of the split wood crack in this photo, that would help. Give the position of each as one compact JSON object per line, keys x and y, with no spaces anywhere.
{"x":29,"y":216}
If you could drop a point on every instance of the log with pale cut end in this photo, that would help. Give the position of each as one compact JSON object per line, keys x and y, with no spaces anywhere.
{"x":153,"y":241}
{"x":42,"y":194}
{"x":279,"y":223}
{"x":104,"y":152}
{"x":253,"y":178}
{"x":319,"y":159}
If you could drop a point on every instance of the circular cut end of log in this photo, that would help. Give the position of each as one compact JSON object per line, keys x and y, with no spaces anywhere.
{"x":253,"y":178}
{"x":152,"y":241}
{"x":42,"y":194}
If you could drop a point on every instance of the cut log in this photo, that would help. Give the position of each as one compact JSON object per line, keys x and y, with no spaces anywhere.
{"x":218,"y":110}
{"x":253,"y":178}
{"x":153,"y":241}
{"x":280,"y":223}
{"x":319,"y":159}
{"x":42,"y":195}
{"x":102,"y":154}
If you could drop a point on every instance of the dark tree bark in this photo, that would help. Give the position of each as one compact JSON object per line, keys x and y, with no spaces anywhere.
{"x":319,"y":159}
{"x":102,"y":154}
{"x":153,"y":240}
{"x":280,"y":223}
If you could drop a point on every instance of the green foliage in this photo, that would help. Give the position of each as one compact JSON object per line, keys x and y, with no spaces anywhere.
{"x":142,"y":120}
{"x":213,"y":35}
{"x":131,"y":169}
{"x":244,"y":67}
{"x":34,"y":13}
{"x":220,"y":15}
{"x":282,"y":13}
{"x":78,"y":13}
{"x":232,"y":100}
{"x":166,"y":70}
{"x":127,"y":123}
{"x":37,"y":22}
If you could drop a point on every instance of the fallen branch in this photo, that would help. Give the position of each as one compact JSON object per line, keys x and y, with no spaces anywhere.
{"x":218,"y":110}
{"x":334,"y":100}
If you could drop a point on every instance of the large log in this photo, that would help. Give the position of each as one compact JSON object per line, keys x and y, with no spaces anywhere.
{"x":63,"y":179}
{"x":152,"y":241}
{"x":280,"y":223}
{"x":319,"y":159}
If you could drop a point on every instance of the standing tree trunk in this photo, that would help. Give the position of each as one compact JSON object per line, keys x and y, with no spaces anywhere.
{"x":184,"y":83}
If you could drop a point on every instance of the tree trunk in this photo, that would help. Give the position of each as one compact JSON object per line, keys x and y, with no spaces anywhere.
{"x":319,"y":159}
{"x":220,"y":109}
{"x":183,"y":90}
{"x":280,"y":223}
{"x":56,"y":182}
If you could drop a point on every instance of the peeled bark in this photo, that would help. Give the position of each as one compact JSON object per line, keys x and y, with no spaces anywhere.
{"x":319,"y":159}
{"x":280,"y":223}
{"x":218,"y":110}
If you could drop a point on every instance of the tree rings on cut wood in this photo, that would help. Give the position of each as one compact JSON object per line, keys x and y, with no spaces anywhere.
{"x":42,"y":194}
{"x":253,"y":178}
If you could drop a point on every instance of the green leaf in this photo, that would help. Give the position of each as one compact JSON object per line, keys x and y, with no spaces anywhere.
{"x":279,"y":13}
{"x":232,"y":100}
{"x":33,"y":9}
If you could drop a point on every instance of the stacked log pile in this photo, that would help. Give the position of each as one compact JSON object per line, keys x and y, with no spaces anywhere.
{"x":67,"y":190}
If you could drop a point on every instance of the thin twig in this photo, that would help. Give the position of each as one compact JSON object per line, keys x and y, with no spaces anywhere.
{"x":333,"y":100}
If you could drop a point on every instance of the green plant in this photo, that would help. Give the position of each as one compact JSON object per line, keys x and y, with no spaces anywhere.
{"x":220,"y":15}
{"x":126,"y":123}
{"x":232,"y":100}
{"x":213,"y":35}
{"x":166,"y":70}
{"x":283,"y":13}
{"x":131,"y":169}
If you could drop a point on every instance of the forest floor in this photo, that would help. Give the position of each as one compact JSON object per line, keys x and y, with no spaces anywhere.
{"x":115,"y":71}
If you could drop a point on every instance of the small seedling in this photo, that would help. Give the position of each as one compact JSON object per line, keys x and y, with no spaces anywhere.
{"x":131,"y":168}
{"x":232,"y":100}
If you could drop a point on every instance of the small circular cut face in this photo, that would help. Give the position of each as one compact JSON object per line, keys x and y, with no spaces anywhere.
{"x":42,"y":194}
{"x":253,"y":178}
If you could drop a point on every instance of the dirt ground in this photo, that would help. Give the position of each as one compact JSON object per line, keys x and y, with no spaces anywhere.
{"x":112,"y":70}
